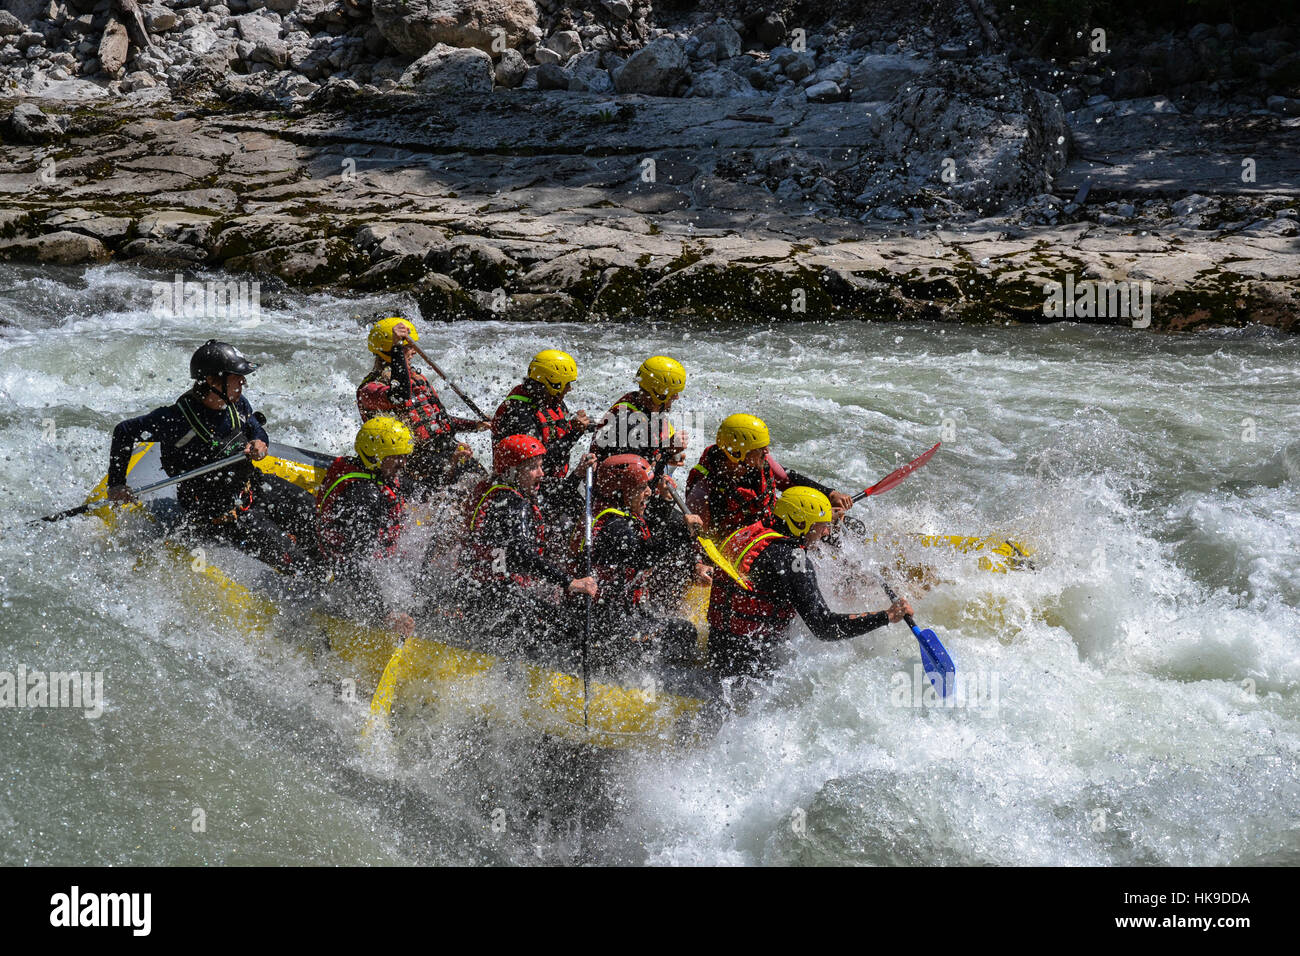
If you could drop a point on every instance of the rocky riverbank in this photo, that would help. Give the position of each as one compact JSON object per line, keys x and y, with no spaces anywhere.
{"x":498,"y":159}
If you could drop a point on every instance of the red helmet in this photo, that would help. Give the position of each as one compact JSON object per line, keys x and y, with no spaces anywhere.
{"x":515,"y":450}
{"x":620,"y":473}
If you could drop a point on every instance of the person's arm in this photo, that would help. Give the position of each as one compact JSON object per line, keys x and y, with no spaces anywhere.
{"x":399,"y":389}
{"x":697,"y":502}
{"x":372,"y":397}
{"x":465,"y":424}
{"x":787,"y":477}
{"x":125,"y":436}
{"x":784,"y":568}
{"x":508,"y":525}
{"x":253,"y":429}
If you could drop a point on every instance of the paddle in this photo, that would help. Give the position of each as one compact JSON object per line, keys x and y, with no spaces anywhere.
{"x":381,"y":705}
{"x":586,"y":627}
{"x":938,"y":665}
{"x":709,"y":547}
{"x":891,"y":480}
{"x":156,"y":486}
{"x":896,"y":477}
{"x":446,"y":378}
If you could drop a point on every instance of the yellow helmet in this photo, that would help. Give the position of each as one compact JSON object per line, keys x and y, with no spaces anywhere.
{"x":382,"y":438}
{"x":801,"y":508}
{"x":381,"y":336}
{"x":554,"y":369}
{"x":740,"y":434}
{"x":661,"y":376}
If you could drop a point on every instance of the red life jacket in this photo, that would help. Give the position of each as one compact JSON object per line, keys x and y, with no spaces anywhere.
{"x":733,"y":505}
{"x":739,"y":613}
{"x":634,"y":577}
{"x":423,"y":411}
{"x":478,"y":556}
{"x":552,"y":422}
{"x":330,"y":537}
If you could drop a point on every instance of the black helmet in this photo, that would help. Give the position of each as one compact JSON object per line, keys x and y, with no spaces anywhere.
{"x":218,"y":358}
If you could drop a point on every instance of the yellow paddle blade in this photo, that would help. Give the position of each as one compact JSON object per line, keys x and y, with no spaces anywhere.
{"x":381,"y":705}
{"x":716,"y":557}
{"x":306,"y":477}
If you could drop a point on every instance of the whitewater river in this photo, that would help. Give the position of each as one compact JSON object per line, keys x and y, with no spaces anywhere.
{"x":1142,"y":699}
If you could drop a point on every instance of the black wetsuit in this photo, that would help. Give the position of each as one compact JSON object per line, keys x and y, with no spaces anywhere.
{"x":784,"y":577}
{"x":238,"y":504}
{"x":623,"y":557}
{"x":506,"y":588}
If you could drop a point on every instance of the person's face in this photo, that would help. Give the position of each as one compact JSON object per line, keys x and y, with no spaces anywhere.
{"x":391,"y":466}
{"x":818,"y":531}
{"x":529,"y":475}
{"x":234,"y":386}
{"x":636,"y":500}
{"x":754,"y":460}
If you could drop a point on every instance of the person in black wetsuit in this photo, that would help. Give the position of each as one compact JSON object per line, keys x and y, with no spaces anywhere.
{"x":506,"y":585}
{"x":359,"y":512}
{"x":746,"y":628}
{"x":213,"y":420}
{"x":626,"y":550}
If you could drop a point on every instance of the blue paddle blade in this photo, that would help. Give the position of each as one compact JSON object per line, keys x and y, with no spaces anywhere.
{"x":938,"y":665}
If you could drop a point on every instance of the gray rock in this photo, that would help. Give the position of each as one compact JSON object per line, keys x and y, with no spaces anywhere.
{"x":587,"y":78}
{"x":659,"y":68}
{"x":619,"y":9}
{"x":827,"y":91}
{"x":1003,"y":139}
{"x":274,"y":53}
{"x":57,"y":248}
{"x":158,"y":18}
{"x":726,"y":40}
{"x":552,"y":76}
{"x":446,"y":69}
{"x":510,"y":69}
{"x":881,"y":76}
{"x":10,"y":25}
{"x":477,"y":264}
{"x":715,"y":84}
{"x":281,"y":6}
{"x":566,"y":43}
{"x":794,"y":65}
{"x":544,"y":55}
{"x":162,"y":251}
{"x":415,"y":26}
{"x":1191,"y":204}
{"x":1284,"y":105}
{"x":28,"y":124}
{"x":113,"y":48}
{"x":257,"y":29}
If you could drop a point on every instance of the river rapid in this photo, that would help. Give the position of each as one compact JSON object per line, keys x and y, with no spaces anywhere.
{"x":1140,"y":690}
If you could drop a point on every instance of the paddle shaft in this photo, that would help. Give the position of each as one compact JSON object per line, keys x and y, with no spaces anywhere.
{"x":156,"y":486}
{"x":889,"y":592}
{"x":446,"y":378}
{"x":586,"y":627}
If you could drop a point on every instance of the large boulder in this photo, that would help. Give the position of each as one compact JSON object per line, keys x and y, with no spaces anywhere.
{"x":715,"y":84}
{"x":998,"y":139}
{"x":725,"y":39}
{"x":881,"y":75}
{"x":413,"y":27}
{"x":27,"y":124}
{"x":446,"y":69}
{"x":660,"y":68}
{"x":114,"y":46}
